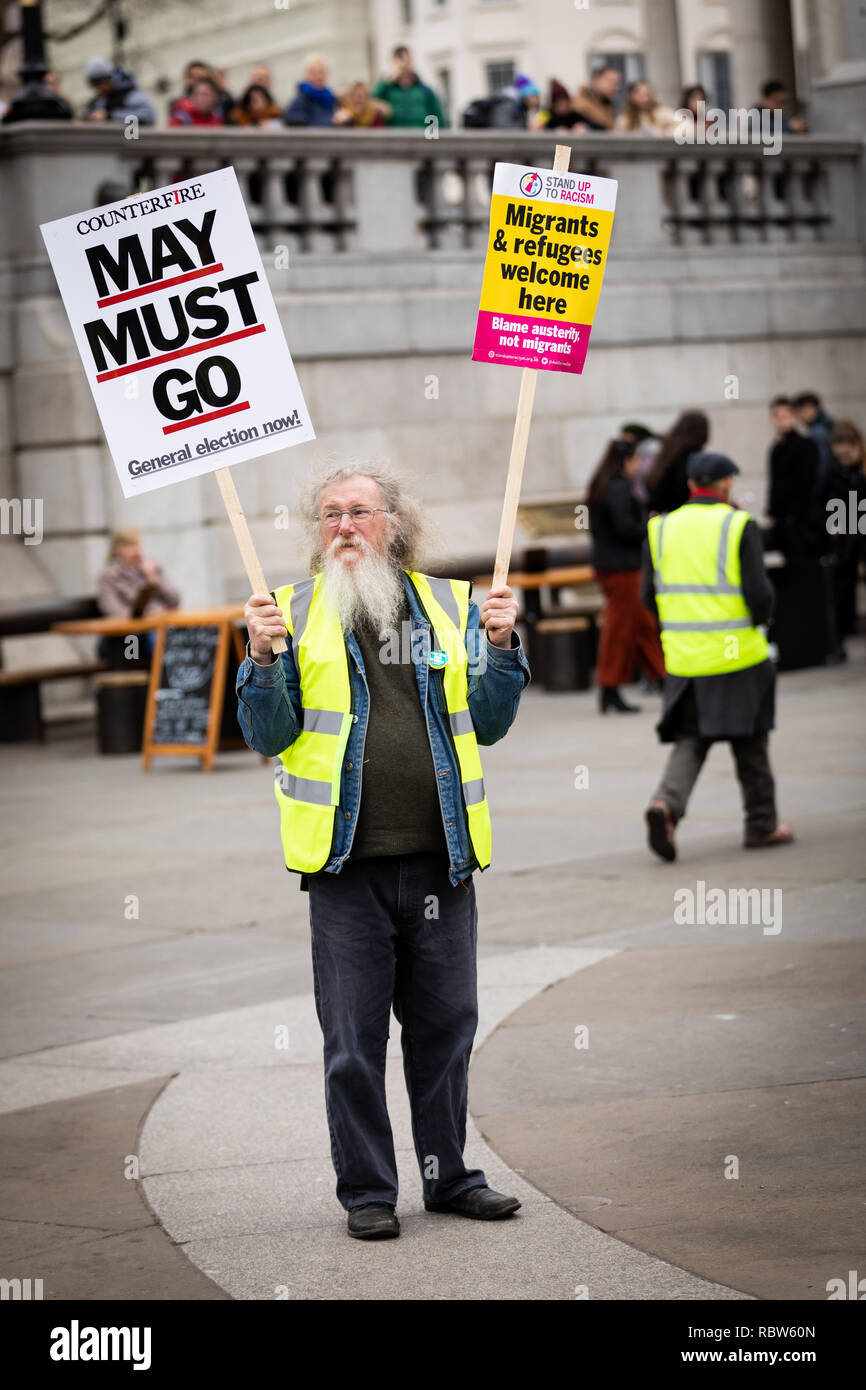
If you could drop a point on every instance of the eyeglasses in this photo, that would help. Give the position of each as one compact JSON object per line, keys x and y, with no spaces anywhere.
{"x":332,"y":516}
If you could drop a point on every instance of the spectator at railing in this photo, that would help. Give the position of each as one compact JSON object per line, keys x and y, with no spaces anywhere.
{"x":116,"y":96}
{"x":194,"y":71}
{"x":666,"y":482}
{"x":411,"y":101}
{"x":776,"y":97}
{"x":260,"y":76}
{"x":811,"y":413}
{"x":644,"y":114}
{"x":358,"y":108}
{"x":314,"y":103}
{"x":52,"y":82}
{"x":527,"y":95}
{"x":692,"y":111}
{"x":201,"y":108}
{"x":558,"y":113}
{"x":595,"y":102}
{"x":843,"y":514}
{"x":258,"y":109}
{"x":794,"y":502}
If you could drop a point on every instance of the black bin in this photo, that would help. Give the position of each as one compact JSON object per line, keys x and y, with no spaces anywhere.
{"x":121,"y":700}
{"x":565,"y":647}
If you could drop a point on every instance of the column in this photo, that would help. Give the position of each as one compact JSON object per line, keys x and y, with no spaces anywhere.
{"x":762,"y":47}
{"x":663,"y":50}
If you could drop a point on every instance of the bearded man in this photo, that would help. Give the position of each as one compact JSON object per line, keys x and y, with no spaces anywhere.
{"x":375,"y":712}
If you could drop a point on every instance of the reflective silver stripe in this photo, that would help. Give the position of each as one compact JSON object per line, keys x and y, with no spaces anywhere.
{"x":473,"y":792}
{"x":698,"y":589}
{"x":322,"y":721}
{"x":725,"y":625}
{"x":304,"y":788}
{"x":659,"y":540}
{"x":657,"y":569}
{"x":302,"y":597}
{"x":722,"y":557}
{"x":461,"y":722}
{"x":444,"y":596}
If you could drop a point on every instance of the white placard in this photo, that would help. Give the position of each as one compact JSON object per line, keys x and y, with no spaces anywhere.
{"x":177,"y":328}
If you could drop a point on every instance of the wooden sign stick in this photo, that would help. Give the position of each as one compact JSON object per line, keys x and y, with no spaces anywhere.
{"x":519,"y":440}
{"x":255,"y":573}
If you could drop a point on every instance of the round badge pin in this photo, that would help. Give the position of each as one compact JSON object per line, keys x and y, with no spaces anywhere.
{"x":437,"y":659}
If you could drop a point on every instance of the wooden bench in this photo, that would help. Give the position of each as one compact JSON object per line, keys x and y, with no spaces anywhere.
{"x":20,"y":702}
{"x":20,"y":697}
{"x":561,"y":639}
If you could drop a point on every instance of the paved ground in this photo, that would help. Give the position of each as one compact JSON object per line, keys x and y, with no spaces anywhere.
{"x":159,"y":1142}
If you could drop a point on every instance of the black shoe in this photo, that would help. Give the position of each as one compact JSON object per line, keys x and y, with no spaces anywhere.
{"x":660,"y":830}
{"x":610,"y":698}
{"x":481,"y":1203}
{"x":375,"y":1221}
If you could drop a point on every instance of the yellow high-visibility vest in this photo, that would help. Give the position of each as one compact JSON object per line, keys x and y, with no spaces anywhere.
{"x":307,"y":783}
{"x":707,"y":629}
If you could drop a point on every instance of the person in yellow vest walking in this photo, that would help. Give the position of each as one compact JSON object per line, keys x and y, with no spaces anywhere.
{"x":704,"y":576}
{"x":375,"y":714}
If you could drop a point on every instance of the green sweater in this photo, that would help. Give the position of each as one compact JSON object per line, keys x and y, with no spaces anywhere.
{"x":400,"y":811}
{"x":410,"y":106}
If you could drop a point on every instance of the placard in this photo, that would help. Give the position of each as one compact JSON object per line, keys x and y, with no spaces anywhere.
{"x":178,"y":332}
{"x":546,"y":256}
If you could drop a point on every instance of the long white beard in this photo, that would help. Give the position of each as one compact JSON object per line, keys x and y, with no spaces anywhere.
{"x":368,"y":590}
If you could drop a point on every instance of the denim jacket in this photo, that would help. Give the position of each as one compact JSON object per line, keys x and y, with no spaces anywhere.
{"x":269,"y":713}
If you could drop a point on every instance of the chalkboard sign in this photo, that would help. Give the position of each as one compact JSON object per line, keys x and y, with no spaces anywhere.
{"x":187,"y":688}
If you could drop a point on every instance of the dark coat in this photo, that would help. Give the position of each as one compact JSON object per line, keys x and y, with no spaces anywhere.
{"x":849,"y":545}
{"x":311,"y":106}
{"x":793,"y":498}
{"x":672,"y":489}
{"x":738,"y":703}
{"x":617,"y":527}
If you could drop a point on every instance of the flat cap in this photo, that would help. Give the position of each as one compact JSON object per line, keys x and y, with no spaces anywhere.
{"x":709,"y":467}
{"x":97,"y":70}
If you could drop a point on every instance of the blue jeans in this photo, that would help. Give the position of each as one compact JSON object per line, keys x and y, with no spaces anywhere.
{"x":394,"y":931}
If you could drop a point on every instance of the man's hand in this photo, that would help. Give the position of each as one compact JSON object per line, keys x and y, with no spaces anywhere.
{"x":264,"y":621}
{"x":499,"y":614}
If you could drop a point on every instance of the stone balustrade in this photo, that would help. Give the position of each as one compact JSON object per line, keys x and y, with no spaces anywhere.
{"x":383,"y":191}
